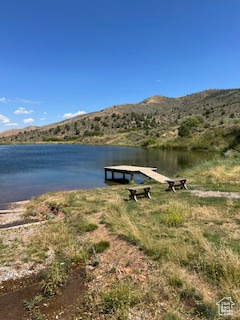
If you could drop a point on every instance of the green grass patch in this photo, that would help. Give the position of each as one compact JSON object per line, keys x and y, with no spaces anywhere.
{"x":172,"y":218}
{"x":118,"y":300}
{"x":100,"y":246}
{"x":81,"y":225}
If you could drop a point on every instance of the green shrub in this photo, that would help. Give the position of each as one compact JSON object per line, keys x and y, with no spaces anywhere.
{"x":101,"y":246}
{"x":172,"y":218}
{"x":29,"y":305}
{"x":176,"y":281}
{"x":148,"y":142}
{"x":117,"y":301}
{"x":79,"y":225}
{"x":187,"y":125}
{"x":56,"y":277}
{"x":206,"y":310}
{"x":183,"y":131}
{"x":171,"y":316}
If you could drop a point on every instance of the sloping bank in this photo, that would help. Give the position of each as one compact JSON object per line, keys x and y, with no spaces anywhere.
{"x":172,"y":257}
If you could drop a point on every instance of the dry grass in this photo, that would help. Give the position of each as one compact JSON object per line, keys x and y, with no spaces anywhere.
{"x":192,"y":241}
{"x":172,"y":231}
{"x":218,"y":171}
{"x":222,"y":173}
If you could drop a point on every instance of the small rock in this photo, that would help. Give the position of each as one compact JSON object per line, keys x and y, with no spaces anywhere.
{"x":90,"y":267}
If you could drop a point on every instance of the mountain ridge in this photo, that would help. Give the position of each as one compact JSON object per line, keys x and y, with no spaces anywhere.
{"x":213,"y":110}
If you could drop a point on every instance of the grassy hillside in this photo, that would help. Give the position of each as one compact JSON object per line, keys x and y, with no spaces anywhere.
{"x":171,"y":257}
{"x":208,"y":120}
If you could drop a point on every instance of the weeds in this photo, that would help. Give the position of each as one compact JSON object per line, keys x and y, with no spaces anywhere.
{"x":37,"y":315}
{"x":117,"y":301}
{"x":55,"y":278}
{"x":30,"y":305}
{"x":172,"y":218}
{"x":81,"y":225}
{"x":171,"y":316}
{"x":101,"y":246}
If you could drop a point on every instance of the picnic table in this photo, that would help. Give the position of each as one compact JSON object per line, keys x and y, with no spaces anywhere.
{"x":134,"y":192}
{"x":181,"y":182}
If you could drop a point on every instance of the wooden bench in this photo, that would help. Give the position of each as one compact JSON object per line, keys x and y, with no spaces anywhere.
{"x":134,"y":192}
{"x":181,"y":182}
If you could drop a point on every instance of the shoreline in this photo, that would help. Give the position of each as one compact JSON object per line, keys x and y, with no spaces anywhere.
{"x":133,"y":249}
{"x":161,"y":146}
{"x":96,"y":182}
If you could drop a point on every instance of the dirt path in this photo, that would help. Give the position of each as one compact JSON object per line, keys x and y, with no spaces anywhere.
{"x":217,"y":194}
{"x":119,"y":260}
{"x":117,"y":263}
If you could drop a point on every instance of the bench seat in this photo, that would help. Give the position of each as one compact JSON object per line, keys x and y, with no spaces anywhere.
{"x":173,"y":183}
{"x":136,"y":191}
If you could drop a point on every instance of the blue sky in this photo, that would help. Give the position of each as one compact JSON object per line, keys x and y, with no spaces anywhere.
{"x":59,"y":57}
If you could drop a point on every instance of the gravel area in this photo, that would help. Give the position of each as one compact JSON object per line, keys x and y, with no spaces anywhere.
{"x":13,"y":242}
{"x":14,"y":212}
{"x":217,"y":194}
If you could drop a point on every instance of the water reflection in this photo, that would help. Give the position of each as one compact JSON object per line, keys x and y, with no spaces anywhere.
{"x":30,"y":170}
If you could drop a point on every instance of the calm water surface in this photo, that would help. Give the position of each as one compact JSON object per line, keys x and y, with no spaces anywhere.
{"x":30,"y":170}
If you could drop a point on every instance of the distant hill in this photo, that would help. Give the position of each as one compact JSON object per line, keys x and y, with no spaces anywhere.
{"x":203,"y":120}
{"x":12,"y":132}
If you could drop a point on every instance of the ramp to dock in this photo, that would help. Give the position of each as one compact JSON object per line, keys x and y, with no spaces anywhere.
{"x":154,"y":175}
{"x":146,"y":171}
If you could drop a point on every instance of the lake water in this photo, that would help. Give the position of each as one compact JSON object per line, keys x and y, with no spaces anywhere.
{"x":31,"y":170}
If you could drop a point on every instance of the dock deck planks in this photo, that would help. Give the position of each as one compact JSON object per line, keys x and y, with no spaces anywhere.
{"x":146,"y":171}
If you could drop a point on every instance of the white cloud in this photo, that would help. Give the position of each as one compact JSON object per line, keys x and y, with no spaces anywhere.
{"x":11,"y":124}
{"x":21,"y":110}
{"x":42,"y":119}
{"x":4,"y":99}
{"x":45,"y":113}
{"x":26,"y":101}
{"x":28,"y":120}
{"x":4,"y":119}
{"x":71,"y":115}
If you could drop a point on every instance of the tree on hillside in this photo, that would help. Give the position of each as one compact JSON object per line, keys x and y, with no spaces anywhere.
{"x":57,"y":130}
{"x":183,"y":131}
{"x":187,"y":125}
{"x":67,"y":127}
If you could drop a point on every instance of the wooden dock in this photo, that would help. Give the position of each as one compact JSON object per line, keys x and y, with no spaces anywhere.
{"x":131,"y":170}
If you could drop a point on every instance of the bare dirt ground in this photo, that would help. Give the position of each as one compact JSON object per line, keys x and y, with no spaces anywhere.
{"x":120,"y":261}
{"x":13,"y":213}
{"x":217,"y":194}
{"x":62,"y":306}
